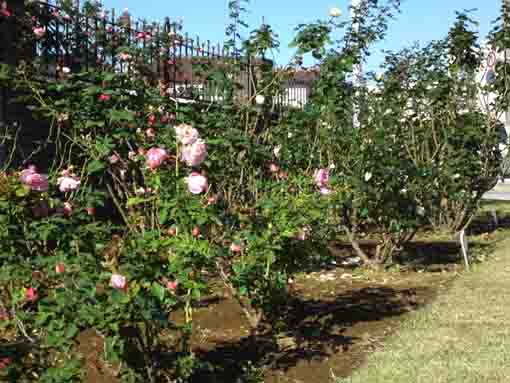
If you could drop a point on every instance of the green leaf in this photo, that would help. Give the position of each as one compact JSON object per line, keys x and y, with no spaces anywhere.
{"x":95,"y":166}
{"x":22,"y":191}
{"x":71,"y":331}
{"x":92,"y":124}
{"x":121,"y":116}
{"x":163,"y":216}
{"x":158,"y":291}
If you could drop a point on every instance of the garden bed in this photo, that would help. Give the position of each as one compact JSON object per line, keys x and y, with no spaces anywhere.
{"x":335,"y":317}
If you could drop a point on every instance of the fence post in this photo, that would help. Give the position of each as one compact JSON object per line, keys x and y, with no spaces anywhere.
{"x":8,"y":55}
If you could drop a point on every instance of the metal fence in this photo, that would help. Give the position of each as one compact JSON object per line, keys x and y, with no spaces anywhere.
{"x":69,"y":37}
{"x":73,"y":38}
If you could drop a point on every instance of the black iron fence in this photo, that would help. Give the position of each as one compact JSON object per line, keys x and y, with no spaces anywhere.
{"x":70,"y":38}
{"x":66,"y":37}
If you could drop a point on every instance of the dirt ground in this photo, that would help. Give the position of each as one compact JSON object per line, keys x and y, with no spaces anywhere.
{"x":334,"y":318}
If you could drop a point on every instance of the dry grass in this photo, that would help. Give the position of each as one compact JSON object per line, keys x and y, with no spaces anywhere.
{"x":463,"y":337}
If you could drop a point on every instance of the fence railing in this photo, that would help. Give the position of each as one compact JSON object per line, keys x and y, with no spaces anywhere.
{"x":70,"y":39}
{"x":67,"y":37}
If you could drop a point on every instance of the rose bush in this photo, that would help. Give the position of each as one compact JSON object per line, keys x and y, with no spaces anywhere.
{"x":148,"y":201}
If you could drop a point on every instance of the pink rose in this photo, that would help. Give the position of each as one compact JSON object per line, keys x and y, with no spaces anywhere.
{"x":60,"y":268}
{"x":172,"y":285}
{"x":68,"y":183}
{"x":31,"y":295}
{"x":104,"y":97}
{"x":151,"y":120}
{"x":118,"y":282}
{"x":39,"y":32}
{"x":211,"y":200}
{"x":124,"y":56}
{"x":143,"y":35}
{"x":34,"y":180}
{"x":91,"y":211}
{"x":150,"y":133}
{"x":5,"y":362}
{"x":167,"y":117}
{"x":186,"y":134}
{"x":4,"y":11}
{"x":194,"y":154}
{"x":273,"y":168}
{"x":236,"y":248}
{"x":321,"y":177}
{"x":68,"y":209}
{"x":113,"y":159}
{"x":155,"y":157}
{"x":325,"y":191}
{"x":303,"y":234}
{"x":197,"y":183}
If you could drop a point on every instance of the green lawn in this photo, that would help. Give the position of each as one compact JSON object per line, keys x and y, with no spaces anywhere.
{"x":463,"y":337}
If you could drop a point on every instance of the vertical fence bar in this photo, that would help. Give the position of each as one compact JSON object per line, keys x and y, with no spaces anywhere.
{"x":96,"y":40}
{"x":87,"y":45}
{"x":158,"y":51}
{"x":104,"y":42}
{"x":114,"y":40}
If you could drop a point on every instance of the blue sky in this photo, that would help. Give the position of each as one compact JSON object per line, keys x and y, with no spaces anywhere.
{"x":420,"y":20}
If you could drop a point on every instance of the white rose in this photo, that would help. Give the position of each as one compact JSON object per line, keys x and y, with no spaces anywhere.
{"x":335,"y":12}
{"x":260,"y":99}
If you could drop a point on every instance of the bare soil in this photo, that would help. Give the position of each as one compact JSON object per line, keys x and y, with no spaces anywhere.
{"x":332,"y":320}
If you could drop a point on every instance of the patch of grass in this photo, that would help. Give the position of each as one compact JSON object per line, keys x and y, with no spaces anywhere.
{"x":463,"y":337}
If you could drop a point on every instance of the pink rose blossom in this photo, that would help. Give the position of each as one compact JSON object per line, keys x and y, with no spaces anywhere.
{"x":167,"y":117}
{"x":5,"y":362}
{"x":155,"y":157}
{"x":211,"y":200}
{"x":31,"y":295}
{"x":150,"y":133}
{"x":325,"y":191}
{"x":236,"y":248}
{"x":27,"y":172}
{"x":34,"y":180}
{"x":172,"y":285}
{"x":68,"y":209}
{"x":197,"y":183}
{"x":303,"y":234}
{"x":118,"y":282}
{"x":194,"y":154}
{"x":143,"y":35}
{"x":39,"y":31}
{"x":186,"y":134}
{"x":104,"y":97}
{"x":60,"y":268}
{"x":4,"y":11}
{"x":273,"y":168}
{"x":68,"y":183}
{"x":91,"y":211}
{"x":124,"y":56}
{"x":113,"y":159}
{"x":321,"y":177}
{"x":151,"y":120}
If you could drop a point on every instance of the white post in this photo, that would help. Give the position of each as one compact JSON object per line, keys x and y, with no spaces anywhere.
{"x":358,"y":68}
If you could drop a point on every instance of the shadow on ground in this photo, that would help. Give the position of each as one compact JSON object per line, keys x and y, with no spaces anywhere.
{"x":310,"y":332}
